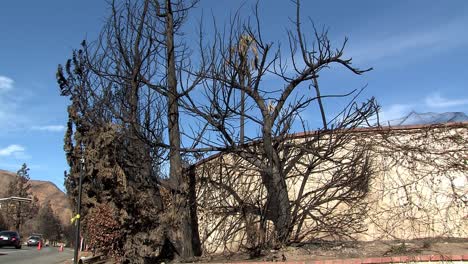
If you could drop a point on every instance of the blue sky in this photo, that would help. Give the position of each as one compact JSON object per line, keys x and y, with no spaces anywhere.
{"x":418,"y":50}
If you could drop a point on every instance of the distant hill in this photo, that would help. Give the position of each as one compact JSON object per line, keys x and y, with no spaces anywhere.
{"x":44,"y":191}
{"x":430,"y":118}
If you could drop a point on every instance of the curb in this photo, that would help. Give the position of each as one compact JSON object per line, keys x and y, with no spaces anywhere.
{"x":372,"y":260}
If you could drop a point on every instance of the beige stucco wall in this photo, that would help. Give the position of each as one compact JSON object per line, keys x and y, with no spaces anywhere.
{"x":417,"y":195}
{"x":418,"y":190}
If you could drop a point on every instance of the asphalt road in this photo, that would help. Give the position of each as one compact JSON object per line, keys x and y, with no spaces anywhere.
{"x":30,"y":255}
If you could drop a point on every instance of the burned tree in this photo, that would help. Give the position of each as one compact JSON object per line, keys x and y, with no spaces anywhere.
{"x":174,"y":13}
{"x":238,"y":65}
{"x":118,"y":170}
{"x":48,"y":224}
{"x":104,"y":116}
{"x":124,"y":89}
{"x":137,"y":80}
{"x":3,"y":222}
{"x":18,"y":211}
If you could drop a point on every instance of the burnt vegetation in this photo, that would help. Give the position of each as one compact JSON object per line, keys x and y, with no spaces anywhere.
{"x":129,"y":90}
{"x":18,"y":213}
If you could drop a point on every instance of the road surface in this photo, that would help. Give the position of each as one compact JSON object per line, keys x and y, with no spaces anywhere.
{"x":30,"y":255}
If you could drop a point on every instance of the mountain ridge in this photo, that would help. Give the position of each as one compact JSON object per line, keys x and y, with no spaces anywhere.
{"x":45,"y":191}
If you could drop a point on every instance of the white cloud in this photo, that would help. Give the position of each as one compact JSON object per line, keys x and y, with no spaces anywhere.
{"x":435,"y":100}
{"x":5,"y":83}
{"x":408,"y":45}
{"x":431,"y":103}
{"x":12,"y":150}
{"x":11,"y":118}
{"x":50,"y":128}
{"x":399,"y":47}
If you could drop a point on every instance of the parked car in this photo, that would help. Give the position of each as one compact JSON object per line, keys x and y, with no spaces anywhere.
{"x":10,"y":238}
{"x":34,"y":241}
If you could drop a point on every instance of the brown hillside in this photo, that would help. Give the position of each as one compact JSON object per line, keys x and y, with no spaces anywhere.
{"x":44,"y":191}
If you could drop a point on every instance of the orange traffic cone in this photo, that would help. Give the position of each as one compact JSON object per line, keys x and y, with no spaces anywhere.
{"x":39,"y":246}
{"x":61,"y":248}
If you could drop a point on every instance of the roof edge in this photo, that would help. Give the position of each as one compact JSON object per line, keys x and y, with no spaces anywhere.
{"x":351,"y":130}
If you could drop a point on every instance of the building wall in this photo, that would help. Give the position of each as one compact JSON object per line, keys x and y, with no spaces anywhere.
{"x":418,"y":189}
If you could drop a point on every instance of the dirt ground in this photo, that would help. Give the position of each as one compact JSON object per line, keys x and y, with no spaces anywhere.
{"x":325,"y":250}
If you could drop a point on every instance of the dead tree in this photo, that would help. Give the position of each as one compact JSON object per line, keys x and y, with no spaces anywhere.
{"x":239,"y":61}
{"x":188,"y":246}
{"x":127,"y":83}
{"x":116,"y":173}
{"x":19,"y":212}
{"x":48,"y":224}
{"x":105,"y":116}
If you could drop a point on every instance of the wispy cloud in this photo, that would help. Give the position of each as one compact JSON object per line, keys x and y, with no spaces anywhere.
{"x":398,"y":47}
{"x":5,"y":83}
{"x":13,"y":116}
{"x":431,"y":103}
{"x":12,"y":150}
{"x":435,"y":100}
{"x":7,"y":105}
{"x":50,"y":128}
{"x":411,"y":44}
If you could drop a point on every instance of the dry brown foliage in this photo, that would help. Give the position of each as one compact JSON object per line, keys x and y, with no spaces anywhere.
{"x":103,"y":231}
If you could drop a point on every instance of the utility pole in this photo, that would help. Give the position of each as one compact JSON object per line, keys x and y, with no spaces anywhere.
{"x":78,"y":211}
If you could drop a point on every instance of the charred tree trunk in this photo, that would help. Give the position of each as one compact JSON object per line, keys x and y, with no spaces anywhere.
{"x":18,"y":217}
{"x":196,"y":244}
{"x":278,"y":205}
{"x":184,"y":234}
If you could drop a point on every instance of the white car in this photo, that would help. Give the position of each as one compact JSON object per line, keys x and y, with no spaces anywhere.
{"x":34,"y":241}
